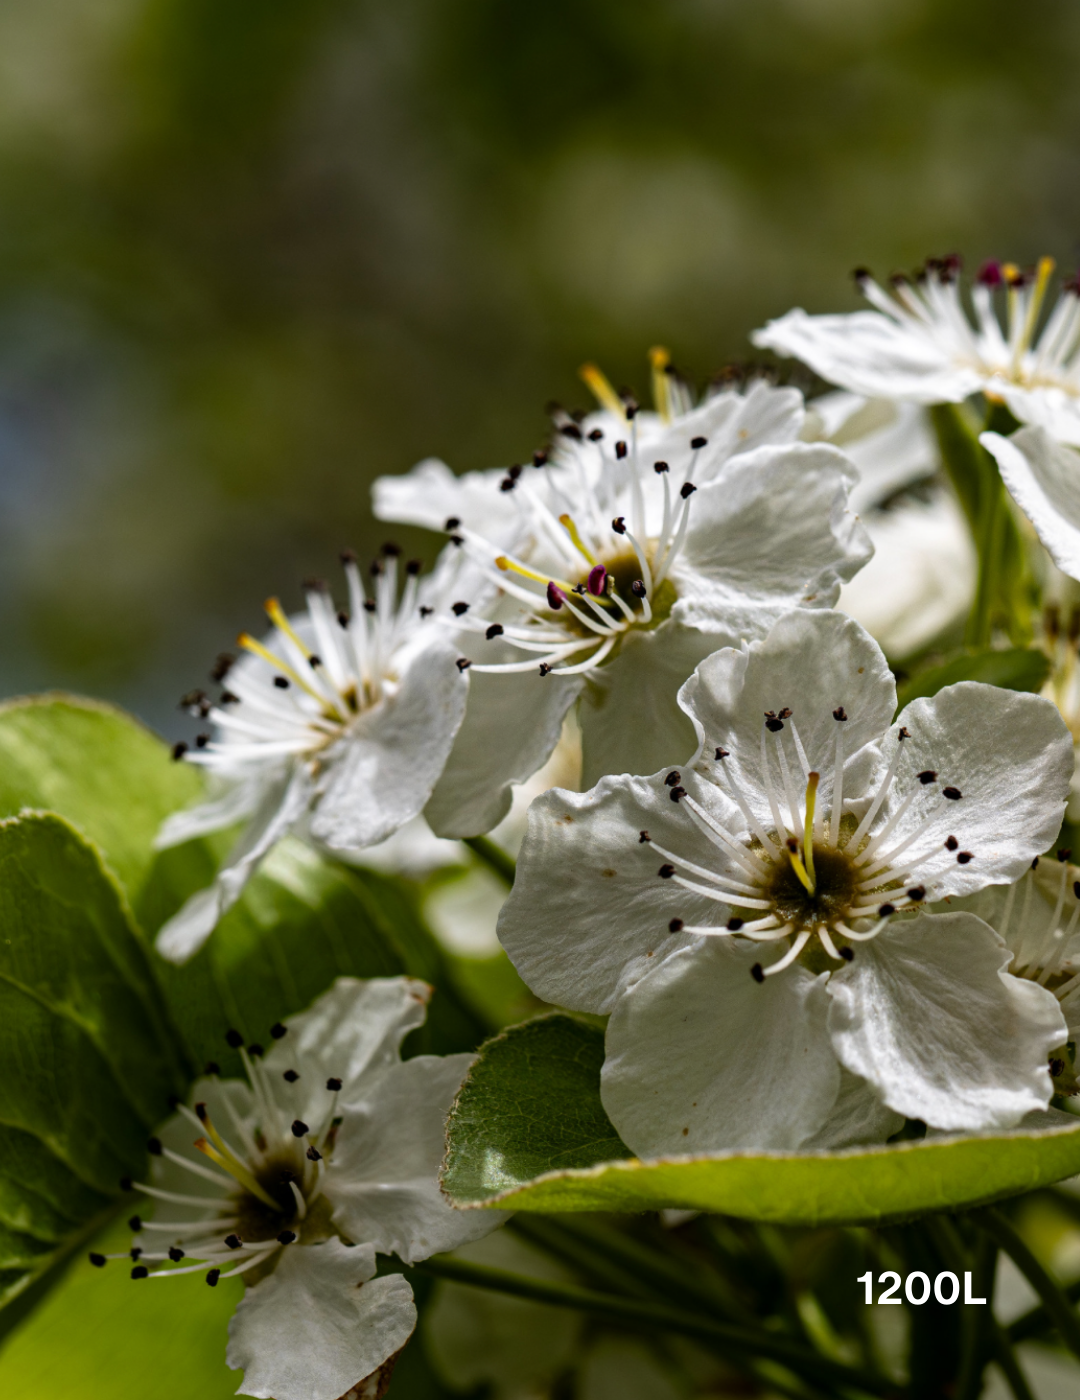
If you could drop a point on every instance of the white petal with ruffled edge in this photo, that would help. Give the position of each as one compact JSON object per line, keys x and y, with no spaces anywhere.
{"x":1043,"y":478}
{"x":700,"y":1058}
{"x":319,"y":1324}
{"x":929,"y":1015}
{"x":383,"y":1183}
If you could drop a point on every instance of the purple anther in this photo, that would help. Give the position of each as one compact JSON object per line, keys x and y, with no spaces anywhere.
{"x":597,"y":581}
{"x":555,"y":596}
{"x":989,"y":275}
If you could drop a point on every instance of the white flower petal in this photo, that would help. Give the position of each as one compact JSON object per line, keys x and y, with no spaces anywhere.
{"x":511,"y":726}
{"x":927,"y":1013}
{"x":431,"y":494}
{"x":1048,"y":406}
{"x":702,"y":1058}
{"x":283,"y":805}
{"x":383,"y":770}
{"x":856,"y":1118}
{"x":1043,"y":477}
{"x":353,"y":1032}
{"x":1010,"y":757}
{"x":870,"y":354}
{"x":319,"y":1324}
{"x":234,"y":804}
{"x":588,"y":907}
{"x":383,"y":1182}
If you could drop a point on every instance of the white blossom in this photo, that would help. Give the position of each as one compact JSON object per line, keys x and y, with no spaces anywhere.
{"x":295,"y":1177}
{"x":334,"y":728}
{"x":751,"y":921}
{"x":922,"y":344}
{"x":633,"y":549}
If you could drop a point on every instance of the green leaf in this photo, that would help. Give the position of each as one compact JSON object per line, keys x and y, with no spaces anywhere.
{"x":301,"y":923}
{"x":1016,"y":669}
{"x":98,"y":767}
{"x":88,"y":1056}
{"x":528,"y":1132}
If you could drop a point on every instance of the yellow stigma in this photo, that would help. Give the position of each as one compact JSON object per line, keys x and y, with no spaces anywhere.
{"x":600,"y":386}
{"x":1043,"y":273}
{"x":276,"y":613}
{"x":511,"y":566}
{"x":798,"y":867}
{"x":660,"y":361}
{"x":252,"y":644}
{"x":812,"y":780}
{"x":237,"y":1171}
{"x":571,"y":529}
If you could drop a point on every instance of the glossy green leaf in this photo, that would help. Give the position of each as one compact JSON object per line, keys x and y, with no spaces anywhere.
{"x":88,"y":1056}
{"x":1016,"y":669}
{"x":528,"y":1132}
{"x":111,"y":777}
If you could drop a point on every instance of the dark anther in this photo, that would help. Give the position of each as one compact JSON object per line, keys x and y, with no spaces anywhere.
{"x":886,"y":910}
{"x":413,"y":567}
{"x":256,"y":1051}
{"x":1065,"y":854}
{"x":233,"y":1241}
{"x":675,"y":926}
{"x":697,"y":443}
{"x":126,"y":1183}
{"x":570,"y":430}
{"x":620,"y":450}
{"x":175,"y":1253}
{"x":785,"y":713}
{"x":98,"y":1260}
{"x":228,"y":698}
{"x":140,"y":1271}
{"x":426,"y":611}
{"x":953,"y":794}
{"x":179,"y":750}
{"x":734,"y":925}
{"x":333,"y":1084}
{"x":637,"y":588}
{"x":687,"y":490}
{"x":277,"y":1030}
{"x":722,"y":753}
{"x":451,"y":523}
{"x":905,"y":734}
{"x":916,"y":893}
{"x":540,"y":459}
{"x":346,"y":557}
{"x":391,"y":550}
{"x":457,"y":540}
{"x":554,"y":596}
{"x":315,"y":585}
{"x":495,"y":630}
{"x":773,"y":723}
{"x":677,"y":793}
{"x":666,"y":871}
{"x":848,"y":954}
{"x":299,"y":1129}
{"x":201,"y":1112}
{"x":619,"y":525}
{"x":369,"y":605}
{"x":286,"y":1237}
{"x":660,"y":468}
{"x":839,"y":713}
{"x":861,"y":274}
{"x":644,"y":836}
{"x":951,"y":843}
{"x":631,"y":410}
{"x":211,"y":1067}
{"x":673,"y":777}
{"x":1035,"y":863}
{"x":314,"y":661}
{"x":135,"y":1224}
{"x":757,"y":972}
{"x":201,"y":740}
{"x":1056,"y":1067}
{"x":197,"y":701}
{"x":459,"y":609}
{"x":281,"y":683}
{"x":136,"y":1251}
{"x":222,"y":666}
{"x":290,"y":1076}
{"x":596,"y":435}
{"x":212,"y":1277}
{"x":964,"y":857}
{"x":153,"y":1146}
{"x":313,"y":1154}
{"x":1076,"y":888}
{"x":927,"y":776}
{"x":545,"y":669}
{"x":508,"y":483}
{"x":463,"y":663}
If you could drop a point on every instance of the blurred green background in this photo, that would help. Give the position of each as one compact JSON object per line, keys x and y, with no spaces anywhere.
{"x":254,"y":253}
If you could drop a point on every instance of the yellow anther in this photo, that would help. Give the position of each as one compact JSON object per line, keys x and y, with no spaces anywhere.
{"x":237,"y":1171}
{"x":1009,"y":271}
{"x":660,"y":361}
{"x":600,"y":386}
{"x":812,"y":780}
{"x":511,"y":566}
{"x":252,"y":644}
{"x":572,"y":530}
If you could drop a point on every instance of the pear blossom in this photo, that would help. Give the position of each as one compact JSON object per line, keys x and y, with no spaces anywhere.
{"x":639,"y":544}
{"x":334,"y":728}
{"x":753,"y":923}
{"x":295,"y":1177}
{"x":1043,"y":477}
{"x":921,"y":344}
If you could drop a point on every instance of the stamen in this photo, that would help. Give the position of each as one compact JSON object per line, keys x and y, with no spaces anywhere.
{"x":808,"y":827}
{"x":601,"y":388}
{"x":572,"y":530}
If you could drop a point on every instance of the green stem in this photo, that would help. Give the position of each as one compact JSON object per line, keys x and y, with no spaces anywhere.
{"x":977,"y":1336}
{"x":494,"y":857}
{"x":1006,"y":1359}
{"x":745,"y":1341}
{"x":1032,"y":1323}
{"x":989,"y":546}
{"x":1053,"y":1299}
